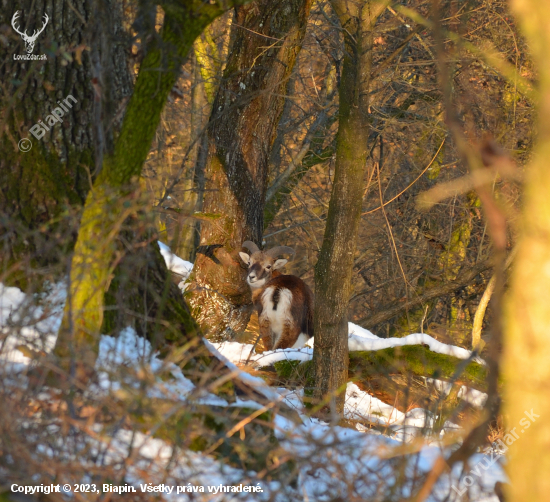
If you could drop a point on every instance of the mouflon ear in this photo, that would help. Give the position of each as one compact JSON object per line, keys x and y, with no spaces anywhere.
{"x":244,"y":257}
{"x":279,"y":263}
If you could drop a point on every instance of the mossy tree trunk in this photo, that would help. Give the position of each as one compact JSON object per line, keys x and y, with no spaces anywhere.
{"x":142,"y":293}
{"x":38,"y":186}
{"x":526,"y":370}
{"x":334,"y":269}
{"x":242,"y":129}
{"x":114,"y":195}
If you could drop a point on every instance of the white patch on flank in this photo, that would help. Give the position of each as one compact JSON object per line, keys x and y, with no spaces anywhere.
{"x":302,"y":340}
{"x":277,"y":318}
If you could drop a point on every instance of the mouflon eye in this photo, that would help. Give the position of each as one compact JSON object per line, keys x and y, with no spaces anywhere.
{"x":268,"y":267}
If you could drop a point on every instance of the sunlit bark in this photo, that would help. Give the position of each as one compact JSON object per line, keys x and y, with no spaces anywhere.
{"x":242,"y":130}
{"x":333,"y":271}
{"x":526,"y":367}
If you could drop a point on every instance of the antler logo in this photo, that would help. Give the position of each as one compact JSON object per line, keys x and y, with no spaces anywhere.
{"x":29,"y":40}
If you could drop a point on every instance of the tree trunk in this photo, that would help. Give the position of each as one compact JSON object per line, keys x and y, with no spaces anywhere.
{"x":207,"y":68}
{"x":143,"y":294}
{"x":334,"y":269}
{"x":184,"y":241}
{"x":39,"y":185}
{"x":243,"y":125}
{"x":113,"y":198}
{"x":527,"y":316}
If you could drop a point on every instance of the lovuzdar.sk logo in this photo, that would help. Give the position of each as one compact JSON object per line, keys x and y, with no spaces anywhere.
{"x":29,"y":39}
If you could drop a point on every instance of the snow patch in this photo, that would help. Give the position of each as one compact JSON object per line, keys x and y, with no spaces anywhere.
{"x":32,"y":321}
{"x":363,"y":343}
{"x":358,"y":339}
{"x":176,"y":264}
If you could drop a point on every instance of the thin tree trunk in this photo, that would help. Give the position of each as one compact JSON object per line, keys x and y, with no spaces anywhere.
{"x":266,"y":40}
{"x":184,"y":242}
{"x":483,"y":304}
{"x":526,"y":368}
{"x":334,"y":269}
{"x":208,"y":62}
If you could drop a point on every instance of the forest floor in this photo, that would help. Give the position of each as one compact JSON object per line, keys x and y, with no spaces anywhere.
{"x":409,"y":398}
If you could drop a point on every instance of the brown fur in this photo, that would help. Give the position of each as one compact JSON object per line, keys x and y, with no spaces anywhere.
{"x":301,"y":311}
{"x":299,"y":318}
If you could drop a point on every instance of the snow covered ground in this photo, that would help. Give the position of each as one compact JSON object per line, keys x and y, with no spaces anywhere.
{"x":360,"y":403}
{"x":332,"y":461}
{"x":358,"y":339}
{"x":176,"y":264}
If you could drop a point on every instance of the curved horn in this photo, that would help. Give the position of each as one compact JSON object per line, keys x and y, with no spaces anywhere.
{"x":250,"y":246}
{"x":277,"y":250}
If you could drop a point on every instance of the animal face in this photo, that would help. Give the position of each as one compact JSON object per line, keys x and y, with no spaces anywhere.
{"x":260,"y":268}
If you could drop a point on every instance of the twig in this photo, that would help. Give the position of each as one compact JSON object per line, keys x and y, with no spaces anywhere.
{"x":392,"y":239}
{"x":417,"y":178}
{"x":259,"y":34}
{"x":253,"y":348}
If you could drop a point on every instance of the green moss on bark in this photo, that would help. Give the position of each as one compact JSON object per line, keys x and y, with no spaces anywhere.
{"x":104,"y":211}
{"x":415,"y":360}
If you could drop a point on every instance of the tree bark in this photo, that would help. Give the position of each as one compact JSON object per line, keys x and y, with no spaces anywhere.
{"x":39,"y":185}
{"x":113,"y":198}
{"x":527,"y":317}
{"x":334,"y":269}
{"x":483,"y":303}
{"x":144,"y":296}
{"x":242,"y":129}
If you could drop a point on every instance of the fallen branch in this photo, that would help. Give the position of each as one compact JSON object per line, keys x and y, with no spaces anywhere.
{"x":484,"y":302}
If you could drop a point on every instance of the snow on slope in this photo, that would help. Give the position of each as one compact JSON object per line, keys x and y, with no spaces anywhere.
{"x":339,"y":455}
{"x":472,"y":396}
{"x":360,"y":404}
{"x":353,"y":455}
{"x":176,"y":264}
{"x":28,"y":323}
{"x":358,"y":339}
{"x":45,"y":320}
